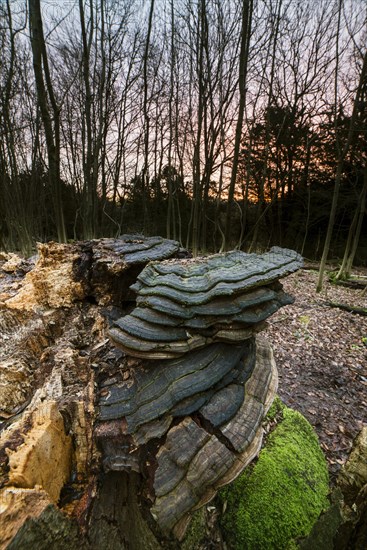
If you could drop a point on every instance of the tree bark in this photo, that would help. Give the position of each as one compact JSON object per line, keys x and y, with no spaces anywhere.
{"x":90,"y":191}
{"x":46,"y":96}
{"x":145,"y":170}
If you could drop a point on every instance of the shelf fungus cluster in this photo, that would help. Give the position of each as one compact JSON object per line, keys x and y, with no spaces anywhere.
{"x":186,"y":410}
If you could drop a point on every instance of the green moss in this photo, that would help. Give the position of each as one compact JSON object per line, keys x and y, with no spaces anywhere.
{"x":281,"y":496}
{"x":276,"y":410}
{"x":196,"y":532}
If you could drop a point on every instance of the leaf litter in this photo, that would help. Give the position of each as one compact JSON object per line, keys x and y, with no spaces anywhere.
{"x":321,"y":356}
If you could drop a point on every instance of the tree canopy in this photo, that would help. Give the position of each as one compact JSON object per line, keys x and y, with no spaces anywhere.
{"x":220,"y":124}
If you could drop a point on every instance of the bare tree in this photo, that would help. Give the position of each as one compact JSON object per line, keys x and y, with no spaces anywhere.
{"x":145,"y":170}
{"x":90,"y":152}
{"x":247,"y":7}
{"x":342,"y":148}
{"x":49,"y":109}
{"x":354,"y":233}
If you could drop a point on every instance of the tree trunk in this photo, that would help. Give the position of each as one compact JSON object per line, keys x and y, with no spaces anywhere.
{"x":245,"y":42}
{"x":145,"y":170}
{"x":15,"y":204}
{"x":261,"y":208}
{"x":45,"y":95}
{"x":90,"y":193}
{"x":354,"y":233}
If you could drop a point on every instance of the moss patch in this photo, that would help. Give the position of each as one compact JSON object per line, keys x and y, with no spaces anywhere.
{"x":196,"y":533}
{"x":278,"y":500}
{"x":276,"y":410}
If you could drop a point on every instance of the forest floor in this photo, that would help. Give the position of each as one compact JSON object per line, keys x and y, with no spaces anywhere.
{"x":321,"y":355}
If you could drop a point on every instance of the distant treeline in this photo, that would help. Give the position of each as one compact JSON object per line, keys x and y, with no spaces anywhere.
{"x":220,"y":124}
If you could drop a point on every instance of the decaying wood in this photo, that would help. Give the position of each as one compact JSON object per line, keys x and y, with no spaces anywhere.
{"x":32,"y":522}
{"x":101,"y":271}
{"x":346,"y":307}
{"x":109,"y":447}
{"x":358,"y":284}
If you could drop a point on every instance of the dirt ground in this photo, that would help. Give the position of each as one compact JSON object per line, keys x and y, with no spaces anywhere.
{"x":321,"y":355}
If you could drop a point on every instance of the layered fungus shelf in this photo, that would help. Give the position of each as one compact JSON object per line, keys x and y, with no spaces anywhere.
{"x":196,"y":381}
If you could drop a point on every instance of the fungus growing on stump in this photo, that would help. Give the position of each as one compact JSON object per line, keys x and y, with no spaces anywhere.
{"x":116,"y":263}
{"x":196,"y":381}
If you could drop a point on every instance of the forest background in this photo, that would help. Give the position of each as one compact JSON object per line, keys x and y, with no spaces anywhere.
{"x":222,"y":124}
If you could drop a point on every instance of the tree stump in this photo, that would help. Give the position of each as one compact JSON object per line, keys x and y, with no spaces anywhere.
{"x":133,"y":386}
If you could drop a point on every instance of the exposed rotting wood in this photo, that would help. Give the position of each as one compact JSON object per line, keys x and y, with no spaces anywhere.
{"x":139,"y":443}
{"x":51,"y":333}
{"x":35,"y":523}
{"x":44,"y":440}
{"x":24,"y":339}
{"x":100,"y":270}
{"x":116,"y":520}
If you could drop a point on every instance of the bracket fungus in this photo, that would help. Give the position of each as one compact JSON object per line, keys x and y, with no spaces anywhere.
{"x":187,"y":412}
{"x":189,"y":304}
{"x":127,"y":255}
